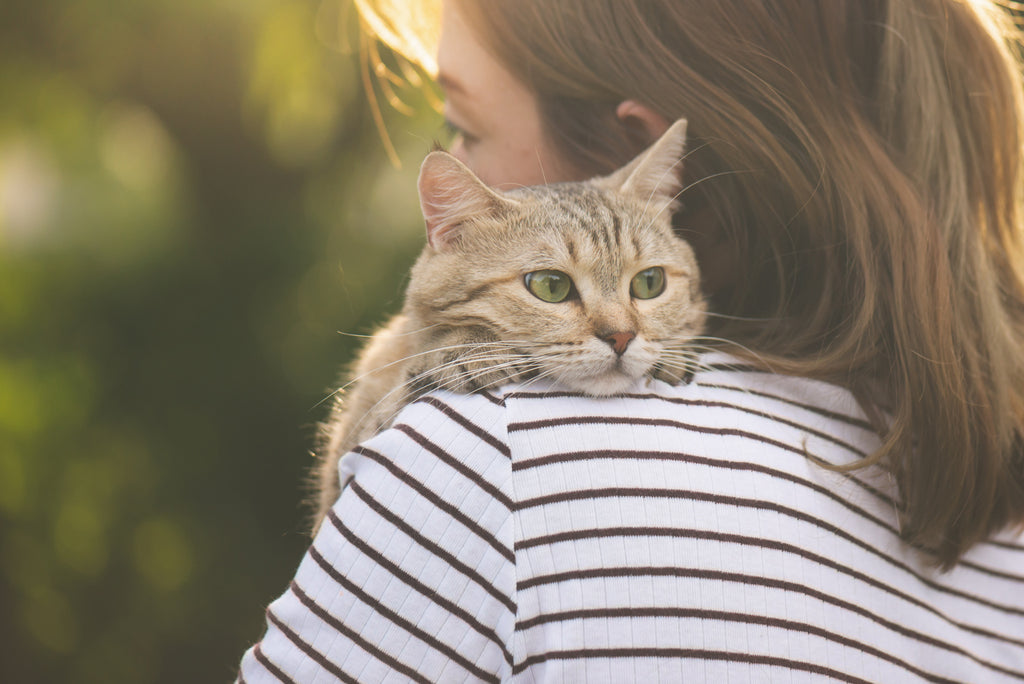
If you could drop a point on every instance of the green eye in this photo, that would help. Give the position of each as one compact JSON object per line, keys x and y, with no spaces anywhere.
{"x":551,"y":286}
{"x":648,"y":283}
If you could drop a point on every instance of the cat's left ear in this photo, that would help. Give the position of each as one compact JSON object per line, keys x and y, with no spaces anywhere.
{"x":656,"y":175}
{"x":451,"y":196}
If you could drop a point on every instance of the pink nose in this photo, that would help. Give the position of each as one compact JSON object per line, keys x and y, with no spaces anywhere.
{"x":619,"y":341}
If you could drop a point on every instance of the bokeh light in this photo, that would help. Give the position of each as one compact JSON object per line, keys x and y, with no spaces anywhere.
{"x":196,"y":206}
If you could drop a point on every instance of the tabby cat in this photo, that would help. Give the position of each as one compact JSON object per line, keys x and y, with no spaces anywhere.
{"x":583,"y":283}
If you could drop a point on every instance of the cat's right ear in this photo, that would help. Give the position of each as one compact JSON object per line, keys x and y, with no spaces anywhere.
{"x":655,"y":176}
{"x":450,"y":196}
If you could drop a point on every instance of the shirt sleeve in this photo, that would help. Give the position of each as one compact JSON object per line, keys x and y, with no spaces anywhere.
{"x":411,"y":576}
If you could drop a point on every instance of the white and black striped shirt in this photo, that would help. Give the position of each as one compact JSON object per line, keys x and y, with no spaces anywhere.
{"x":674,"y":533}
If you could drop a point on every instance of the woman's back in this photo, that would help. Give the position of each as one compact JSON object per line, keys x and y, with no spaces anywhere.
{"x":641,"y":524}
{"x":671,"y":533}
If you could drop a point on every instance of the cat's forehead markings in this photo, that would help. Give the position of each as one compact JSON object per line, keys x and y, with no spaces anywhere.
{"x":637,"y":247}
{"x":585,"y":211}
{"x":591,"y":228}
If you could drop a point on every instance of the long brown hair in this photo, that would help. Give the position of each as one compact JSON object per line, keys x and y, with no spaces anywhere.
{"x":862,"y":160}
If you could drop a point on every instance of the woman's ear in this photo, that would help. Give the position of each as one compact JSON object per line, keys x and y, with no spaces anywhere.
{"x":642,"y":124}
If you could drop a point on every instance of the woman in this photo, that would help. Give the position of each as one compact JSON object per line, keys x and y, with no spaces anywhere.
{"x":846,"y":501}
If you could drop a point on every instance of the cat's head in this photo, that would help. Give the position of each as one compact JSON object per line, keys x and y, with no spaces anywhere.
{"x":585,"y":280}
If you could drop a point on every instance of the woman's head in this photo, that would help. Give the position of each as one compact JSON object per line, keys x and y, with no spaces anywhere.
{"x":856,"y":165}
{"x":497,"y":119}
{"x":791,"y":102}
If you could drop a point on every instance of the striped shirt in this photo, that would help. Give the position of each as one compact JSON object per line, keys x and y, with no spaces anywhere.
{"x":668,"y":534}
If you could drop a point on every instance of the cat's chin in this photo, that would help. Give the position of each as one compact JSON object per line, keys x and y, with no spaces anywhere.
{"x":606,"y":384}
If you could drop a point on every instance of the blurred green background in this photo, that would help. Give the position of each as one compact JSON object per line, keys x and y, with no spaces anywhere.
{"x":194,"y":201}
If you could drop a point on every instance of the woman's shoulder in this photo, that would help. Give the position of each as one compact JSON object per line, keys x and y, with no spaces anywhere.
{"x":467,"y":432}
{"x":725,"y":397}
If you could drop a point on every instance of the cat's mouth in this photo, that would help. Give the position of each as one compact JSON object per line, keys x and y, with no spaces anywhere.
{"x":611,"y":383}
{"x":612,"y":377}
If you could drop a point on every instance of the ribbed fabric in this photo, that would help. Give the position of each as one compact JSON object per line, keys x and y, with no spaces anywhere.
{"x":671,"y":534}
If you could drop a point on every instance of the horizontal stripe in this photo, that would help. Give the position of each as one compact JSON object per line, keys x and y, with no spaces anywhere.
{"x":1006,"y":545}
{"x":317,"y":657}
{"x":699,"y":382}
{"x":607,"y":492}
{"x":887,"y":501}
{"x":687,"y":653}
{"x":704,"y":403}
{"x":465,"y":423}
{"x":648,"y":422}
{"x":559,"y":458}
{"x":679,"y":401}
{"x":269,"y":666}
{"x":496,"y":400}
{"x":707,"y":535}
{"x":614,"y":492}
{"x":825,"y":413}
{"x":576,"y":394}
{"x":992,"y":572}
{"x":414,"y":583}
{"x":617,"y":492}
{"x":722,"y":616}
{"x":679,"y":457}
{"x":455,"y":464}
{"x":754,"y":580}
{"x":394,"y":617}
{"x":690,"y":427}
{"x":856,"y":422}
{"x":436,"y":500}
{"x":741,"y":618}
{"x":431,"y":546}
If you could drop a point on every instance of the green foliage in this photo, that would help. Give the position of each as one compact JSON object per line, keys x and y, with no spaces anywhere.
{"x":193,"y":203}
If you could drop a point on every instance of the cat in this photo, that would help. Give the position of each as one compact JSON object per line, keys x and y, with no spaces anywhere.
{"x":584,"y":283}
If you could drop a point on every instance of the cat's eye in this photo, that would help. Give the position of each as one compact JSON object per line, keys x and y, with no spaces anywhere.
{"x":648,"y":283}
{"x":550,"y":286}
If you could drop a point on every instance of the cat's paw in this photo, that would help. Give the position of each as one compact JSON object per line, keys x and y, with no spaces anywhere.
{"x":672,"y":375}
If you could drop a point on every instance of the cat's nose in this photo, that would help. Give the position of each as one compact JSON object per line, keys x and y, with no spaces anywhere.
{"x":619,"y":341}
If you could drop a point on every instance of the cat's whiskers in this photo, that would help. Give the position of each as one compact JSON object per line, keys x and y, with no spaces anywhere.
{"x":506,"y":358}
{"x":669,"y":170}
{"x":690,"y":358}
{"x":692,"y":185}
{"x":540,"y":163}
{"x":726,"y":342}
{"x":371,"y":336}
{"x":454,"y":382}
{"x":523,"y":365}
{"x":738,"y":318}
{"x":679,"y":361}
{"x":695,"y":344}
{"x":473,"y":345}
{"x":449,"y":383}
{"x":544,"y":375}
